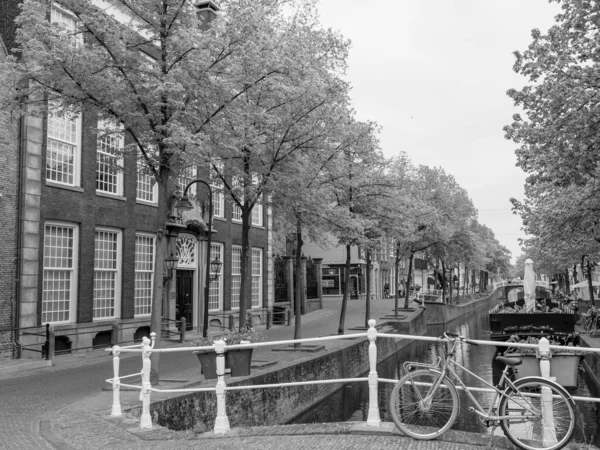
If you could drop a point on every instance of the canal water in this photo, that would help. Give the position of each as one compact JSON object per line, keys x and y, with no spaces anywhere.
{"x":351,"y":402}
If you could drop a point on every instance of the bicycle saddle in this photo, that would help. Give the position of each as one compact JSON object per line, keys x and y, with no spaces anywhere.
{"x":509,"y":361}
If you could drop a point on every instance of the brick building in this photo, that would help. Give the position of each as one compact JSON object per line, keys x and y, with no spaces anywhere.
{"x":88,"y":232}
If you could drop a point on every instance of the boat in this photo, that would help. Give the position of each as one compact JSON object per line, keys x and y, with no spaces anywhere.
{"x":553,"y":320}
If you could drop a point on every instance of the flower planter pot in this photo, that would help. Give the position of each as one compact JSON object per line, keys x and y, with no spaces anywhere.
{"x":208,"y":361}
{"x":239,"y":361}
{"x":562,"y":366}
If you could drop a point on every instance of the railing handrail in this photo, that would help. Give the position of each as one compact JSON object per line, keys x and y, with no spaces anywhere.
{"x":220,"y":347}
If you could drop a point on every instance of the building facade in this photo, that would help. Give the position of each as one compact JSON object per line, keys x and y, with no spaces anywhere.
{"x":87,"y":230}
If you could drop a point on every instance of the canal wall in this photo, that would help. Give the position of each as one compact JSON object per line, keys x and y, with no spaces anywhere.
{"x":591,"y":361}
{"x":437,"y":313}
{"x":274,"y":406}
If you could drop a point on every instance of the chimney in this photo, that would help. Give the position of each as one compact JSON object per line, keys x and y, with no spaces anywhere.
{"x":207,"y":11}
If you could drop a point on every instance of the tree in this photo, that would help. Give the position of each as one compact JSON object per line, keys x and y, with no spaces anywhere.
{"x":165,"y":79}
{"x":264,"y":139}
{"x":353,"y":183}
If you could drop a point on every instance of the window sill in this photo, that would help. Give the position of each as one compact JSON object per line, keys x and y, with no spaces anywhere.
{"x":145,"y":203}
{"x":113,"y":196}
{"x":67,"y":187}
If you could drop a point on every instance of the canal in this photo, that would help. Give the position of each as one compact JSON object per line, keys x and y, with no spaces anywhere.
{"x":351,"y":402}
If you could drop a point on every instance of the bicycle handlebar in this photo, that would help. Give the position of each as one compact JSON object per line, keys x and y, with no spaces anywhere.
{"x":453,"y":336}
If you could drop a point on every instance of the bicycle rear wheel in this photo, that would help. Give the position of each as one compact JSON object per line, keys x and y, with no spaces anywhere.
{"x":418,"y":414}
{"x":542,"y":414}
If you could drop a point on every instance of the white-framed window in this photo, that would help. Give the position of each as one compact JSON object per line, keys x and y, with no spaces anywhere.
{"x":67,"y":22}
{"x":147,"y":188}
{"x":144,"y":273}
{"x":236,"y":275}
{"x":59,"y":286}
{"x":109,"y":158}
{"x":256,"y":277}
{"x":215,"y":293}
{"x":107,"y":273}
{"x":187,"y":175}
{"x":257,"y":213}
{"x":216,"y":185}
{"x":63,"y":152}
{"x":236,"y":213}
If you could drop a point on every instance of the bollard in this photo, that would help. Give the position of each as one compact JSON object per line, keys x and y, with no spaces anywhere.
{"x":231,"y":322}
{"x":146,"y":419}
{"x":47,"y":343}
{"x":373,"y":418}
{"x":288,"y":313}
{"x":269,"y":319}
{"x":116,"y":406}
{"x":51,"y":344}
{"x":114,"y":335}
{"x":221,"y":421}
{"x":182,"y":330}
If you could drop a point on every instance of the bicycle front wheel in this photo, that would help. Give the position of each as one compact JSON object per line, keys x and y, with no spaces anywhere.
{"x":542,"y":414}
{"x":420,"y":413}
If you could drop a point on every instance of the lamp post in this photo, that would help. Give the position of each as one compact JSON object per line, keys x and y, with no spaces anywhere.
{"x":185,"y":204}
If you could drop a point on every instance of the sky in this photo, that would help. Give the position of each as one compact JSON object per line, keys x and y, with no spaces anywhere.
{"x":434,"y":75}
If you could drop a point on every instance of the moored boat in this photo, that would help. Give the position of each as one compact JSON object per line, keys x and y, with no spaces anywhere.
{"x":509,"y":322}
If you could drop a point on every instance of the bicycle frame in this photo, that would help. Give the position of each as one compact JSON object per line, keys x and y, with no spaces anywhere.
{"x":443,"y":370}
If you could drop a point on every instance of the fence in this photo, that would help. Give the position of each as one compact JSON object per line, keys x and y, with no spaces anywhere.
{"x":222,"y":421}
{"x":52,"y":342}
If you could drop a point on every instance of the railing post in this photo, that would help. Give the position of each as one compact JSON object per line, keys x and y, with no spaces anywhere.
{"x":547,"y":412}
{"x":146,"y":419}
{"x":221,"y":421}
{"x":116,"y":406}
{"x":373,"y":418}
{"x":182,"y":330}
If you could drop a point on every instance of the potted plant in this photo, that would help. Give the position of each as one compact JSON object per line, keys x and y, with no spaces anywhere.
{"x":238,"y":360}
{"x":207,"y":358}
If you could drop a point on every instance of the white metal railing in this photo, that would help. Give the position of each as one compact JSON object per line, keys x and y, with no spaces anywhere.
{"x":429,"y":293}
{"x":222,"y":421}
{"x":539,"y":283}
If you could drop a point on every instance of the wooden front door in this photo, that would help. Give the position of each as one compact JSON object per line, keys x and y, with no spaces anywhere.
{"x":184,"y":306}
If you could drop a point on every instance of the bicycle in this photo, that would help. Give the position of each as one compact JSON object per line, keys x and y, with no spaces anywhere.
{"x":533,"y":412}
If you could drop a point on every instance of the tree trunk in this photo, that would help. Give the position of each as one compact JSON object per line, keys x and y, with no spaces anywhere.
{"x":299,"y":281}
{"x":245,"y":268}
{"x":458,"y":280}
{"x":473,"y":278}
{"x":408,"y":277}
{"x":590,"y":283}
{"x":451,"y":284}
{"x":158,"y":290}
{"x":342,"y":325}
{"x":567,"y":284}
{"x":397,"y":266}
{"x":575,"y":280}
{"x":443,"y":282}
{"x":368,"y":303}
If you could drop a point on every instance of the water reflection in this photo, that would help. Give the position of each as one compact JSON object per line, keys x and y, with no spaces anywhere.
{"x":351,"y":402}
